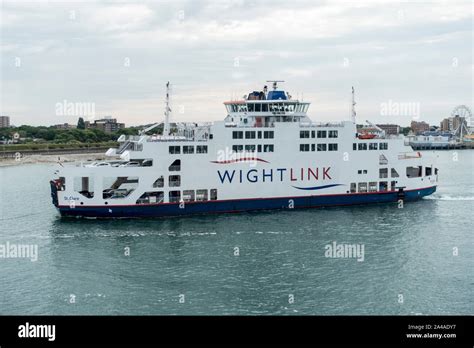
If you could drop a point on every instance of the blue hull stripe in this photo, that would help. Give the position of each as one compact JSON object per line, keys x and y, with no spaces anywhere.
{"x":230,"y":206}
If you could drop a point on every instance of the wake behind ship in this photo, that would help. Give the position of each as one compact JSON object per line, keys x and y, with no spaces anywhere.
{"x":265,"y":154}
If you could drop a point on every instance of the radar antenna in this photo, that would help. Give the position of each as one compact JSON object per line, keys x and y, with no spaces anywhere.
{"x":275,"y":82}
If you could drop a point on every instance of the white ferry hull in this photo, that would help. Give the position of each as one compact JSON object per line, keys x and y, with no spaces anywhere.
{"x":242,"y":205}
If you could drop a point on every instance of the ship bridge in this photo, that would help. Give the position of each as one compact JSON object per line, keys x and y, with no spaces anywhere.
{"x":264,"y":108}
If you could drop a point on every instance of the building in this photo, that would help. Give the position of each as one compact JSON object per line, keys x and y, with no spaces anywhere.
{"x":444,"y":125}
{"x":419,"y":127}
{"x":452,"y":124}
{"x":459,"y":122}
{"x":4,"y":121}
{"x":106,"y":124}
{"x":65,"y":126}
{"x":390,"y":129}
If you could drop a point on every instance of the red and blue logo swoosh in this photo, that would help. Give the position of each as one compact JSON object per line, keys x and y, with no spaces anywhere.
{"x":240,"y":160}
{"x":317,"y":187}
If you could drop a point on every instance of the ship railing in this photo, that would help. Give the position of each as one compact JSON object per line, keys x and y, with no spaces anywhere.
{"x":390,"y":136}
{"x":154,"y":140}
{"x":320,"y":124}
{"x":125,"y":146}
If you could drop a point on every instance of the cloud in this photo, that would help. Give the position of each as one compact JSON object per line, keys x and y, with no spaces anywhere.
{"x":212,"y":50}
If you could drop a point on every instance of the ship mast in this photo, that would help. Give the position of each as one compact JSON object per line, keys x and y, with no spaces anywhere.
{"x":353,"y":106}
{"x":166,"y":126}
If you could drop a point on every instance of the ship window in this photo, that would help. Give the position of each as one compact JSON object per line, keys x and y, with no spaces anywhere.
{"x":201,"y":195}
{"x":267,"y":148}
{"x":332,"y":134}
{"x":362,"y":146}
{"x":174,"y":150}
{"x":188,"y":195}
{"x":258,"y":107}
{"x":383,"y":160}
{"x":174,"y":181}
{"x":392,"y":185}
{"x":250,"y":148}
{"x":373,"y":186}
{"x":304,"y":134}
{"x":383,"y":146}
{"x":428,"y":171}
{"x":364,"y":171}
{"x":359,"y":171}
{"x":250,"y":135}
{"x":237,"y":135}
{"x":322,"y":147}
{"x":383,"y":186}
{"x":353,"y":187}
{"x":362,"y":187}
{"x":160,"y":182}
{"x":251,"y":107}
{"x":354,"y":146}
{"x":259,"y":148}
{"x":175,"y":196}
{"x":213,"y":194}
{"x":372,"y":146}
{"x":313,"y":147}
{"x":304,"y":147}
{"x":201,"y":149}
{"x":118,"y":187}
{"x":259,"y":134}
{"x":237,"y":148}
{"x":313,"y":134}
{"x":175,"y":166}
{"x":151,"y":197}
{"x":414,"y":172}
{"x":321,"y":134}
{"x":268,"y":134}
{"x":383,"y":173}
{"x":332,"y":147}
{"x":84,"y":185}
{"x":188,"y":149}
{"x":394,"y":173}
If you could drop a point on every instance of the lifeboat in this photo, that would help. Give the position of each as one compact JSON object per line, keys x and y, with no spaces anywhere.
{"x":366,"y":136}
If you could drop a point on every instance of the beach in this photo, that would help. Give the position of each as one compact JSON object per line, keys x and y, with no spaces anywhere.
{"x":53,"y":158}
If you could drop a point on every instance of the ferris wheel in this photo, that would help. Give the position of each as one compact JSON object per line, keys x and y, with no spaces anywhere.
{"x":464,"y":128}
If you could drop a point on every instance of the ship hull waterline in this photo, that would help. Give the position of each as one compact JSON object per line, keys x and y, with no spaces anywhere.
{"x":241,"y":205}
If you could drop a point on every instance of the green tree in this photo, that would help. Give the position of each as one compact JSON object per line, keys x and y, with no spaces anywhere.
{"x":81,"y":124}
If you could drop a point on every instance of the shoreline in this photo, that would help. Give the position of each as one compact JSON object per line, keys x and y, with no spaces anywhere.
{"x":53,"y":159}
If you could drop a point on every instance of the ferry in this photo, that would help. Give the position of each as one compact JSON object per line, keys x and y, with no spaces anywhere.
{"x":266,"y":154}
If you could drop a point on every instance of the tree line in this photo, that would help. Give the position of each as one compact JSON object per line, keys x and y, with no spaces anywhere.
{"x":50,"y":134}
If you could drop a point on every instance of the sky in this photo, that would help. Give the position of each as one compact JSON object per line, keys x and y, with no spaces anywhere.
{"x":407,"y":61}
